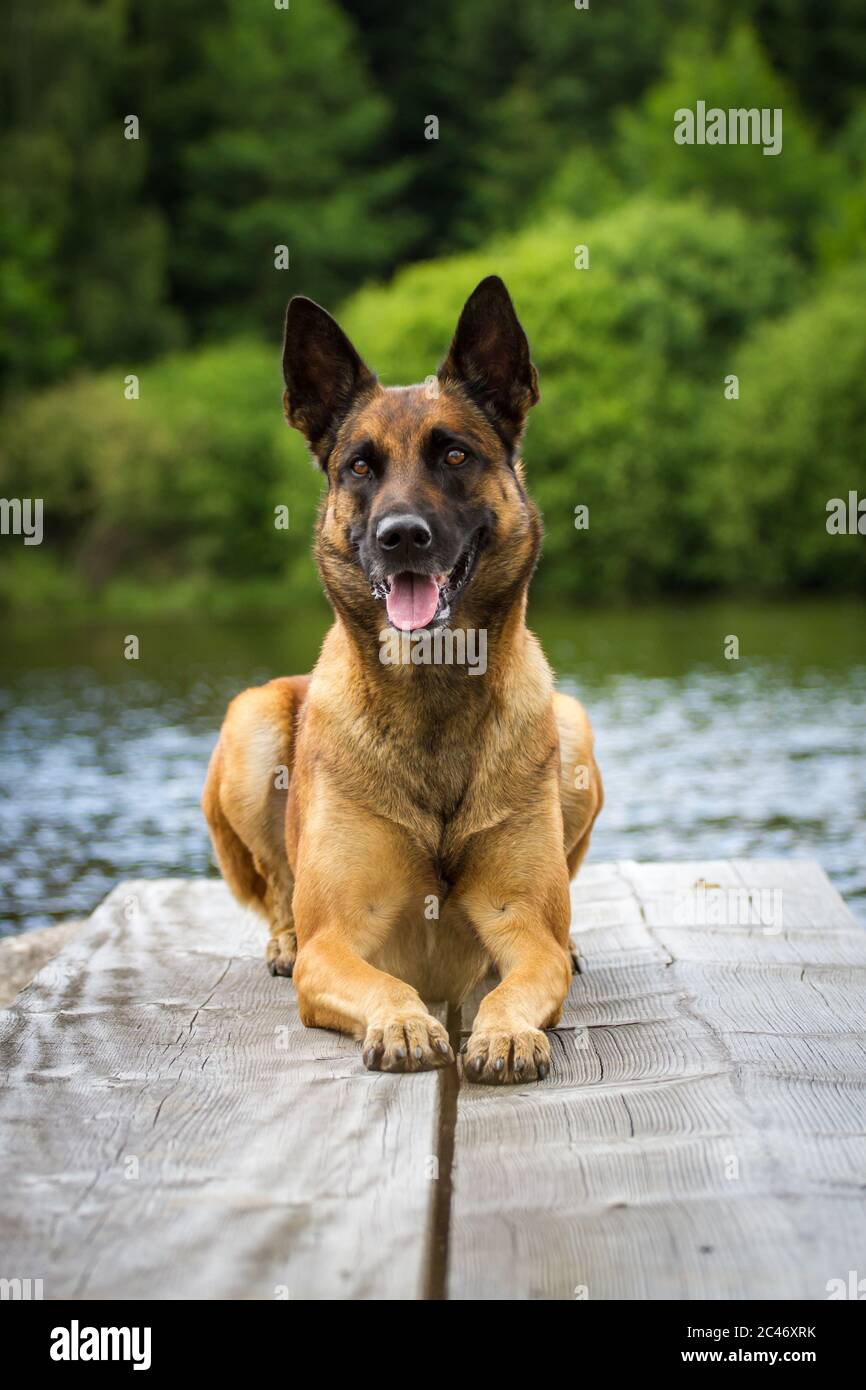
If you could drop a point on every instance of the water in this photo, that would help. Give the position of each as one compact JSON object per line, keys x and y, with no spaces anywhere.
{"x":103,"y":759}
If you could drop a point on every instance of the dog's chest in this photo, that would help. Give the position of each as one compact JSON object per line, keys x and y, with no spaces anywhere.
{"x":438,"y":787}
{"x":433,"y":947}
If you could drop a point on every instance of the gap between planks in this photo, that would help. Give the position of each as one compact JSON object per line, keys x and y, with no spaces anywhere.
{"x":439,"y":1233}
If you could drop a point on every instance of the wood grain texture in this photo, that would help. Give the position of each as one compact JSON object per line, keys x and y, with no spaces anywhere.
{"x":171,"y":1130}
{"x":703,"y":1134}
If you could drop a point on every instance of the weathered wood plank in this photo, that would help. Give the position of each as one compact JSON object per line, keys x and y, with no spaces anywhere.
{"x":703,"y":1134}
{"x":171,"y":1130}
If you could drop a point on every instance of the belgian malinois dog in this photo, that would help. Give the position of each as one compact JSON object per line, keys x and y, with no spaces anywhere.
{"x":434,"y":813}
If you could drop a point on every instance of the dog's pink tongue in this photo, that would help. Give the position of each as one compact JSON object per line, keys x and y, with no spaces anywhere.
{"x":412,"y":600}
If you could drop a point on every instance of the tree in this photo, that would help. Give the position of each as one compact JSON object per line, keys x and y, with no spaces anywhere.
{"x":795,"y":185}
{"x":84,"y":252}
{"x":291,"y":156}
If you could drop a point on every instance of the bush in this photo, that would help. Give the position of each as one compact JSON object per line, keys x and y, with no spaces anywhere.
{"x":628,"y":352}
{"x":169,"y":500}
{"x":795,"y":185}
{"x":170,"y":497}
{"x":793,"y":441}
{"x":841,"y":236}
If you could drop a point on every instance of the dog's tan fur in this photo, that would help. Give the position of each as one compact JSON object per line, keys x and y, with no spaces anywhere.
{"x":432,"y":819}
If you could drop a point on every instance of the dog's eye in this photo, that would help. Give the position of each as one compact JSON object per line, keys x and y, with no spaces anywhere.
{"x":455,"y":457}
{"x":360,"y":468}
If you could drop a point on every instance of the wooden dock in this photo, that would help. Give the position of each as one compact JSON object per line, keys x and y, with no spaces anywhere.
{"x":168,"y":1129}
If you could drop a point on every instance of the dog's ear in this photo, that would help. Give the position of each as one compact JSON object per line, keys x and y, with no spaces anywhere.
{"x":490,"y":356}
{"x":322,"y":371}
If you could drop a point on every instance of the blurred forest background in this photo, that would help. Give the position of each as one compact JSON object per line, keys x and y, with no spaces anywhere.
{"x":305,"y":127}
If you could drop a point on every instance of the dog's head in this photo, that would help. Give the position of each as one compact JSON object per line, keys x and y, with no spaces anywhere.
{"x":425,"y":512}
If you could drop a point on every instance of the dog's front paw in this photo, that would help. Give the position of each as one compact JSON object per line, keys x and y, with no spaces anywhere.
{"x":416,"y":1043}
{"x":280,"y":953}
{"x":494,"y":1057}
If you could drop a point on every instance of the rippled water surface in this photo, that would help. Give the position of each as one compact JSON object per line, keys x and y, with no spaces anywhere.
{"x":103,"y":758}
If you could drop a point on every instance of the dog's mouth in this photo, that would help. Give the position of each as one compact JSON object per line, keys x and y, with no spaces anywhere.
{"x":415,"y":600}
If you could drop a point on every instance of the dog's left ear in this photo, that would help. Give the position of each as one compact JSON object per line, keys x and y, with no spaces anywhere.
{"x":490,"y":356}
{"x":322,"y":371}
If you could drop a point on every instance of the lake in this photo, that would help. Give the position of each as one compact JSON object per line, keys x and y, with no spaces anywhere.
{"x":103,"y":758}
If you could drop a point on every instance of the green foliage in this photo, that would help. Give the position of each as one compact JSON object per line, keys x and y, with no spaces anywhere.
{"x":288,"y":156}
{"x":628,"y":352}
{"x":794,"y":185}
{"x":305,"y":127}
{"x":519,"y":87}
{"x":173,"y":494}
{"x":583,"y":184}
{"x":83,"y":250}
{"x":178,"y":488}
{"x":819,"y":46}
{"x":793,"y":441}
{"x":259,"y":128}
{"x":842,"y":234}
{"x":515,"y":87}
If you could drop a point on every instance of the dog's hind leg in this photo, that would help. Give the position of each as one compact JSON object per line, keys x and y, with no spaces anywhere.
{"x":580,"y":788}
{"x":244,"y":801}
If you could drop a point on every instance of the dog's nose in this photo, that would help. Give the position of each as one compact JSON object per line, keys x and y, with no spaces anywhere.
{"x":403,"y":537}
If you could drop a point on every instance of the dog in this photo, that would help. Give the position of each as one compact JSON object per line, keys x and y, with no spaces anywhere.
{"x":405,"y":826}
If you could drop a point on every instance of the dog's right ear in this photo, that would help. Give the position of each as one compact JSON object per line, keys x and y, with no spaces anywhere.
{"x":322,"y":371}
